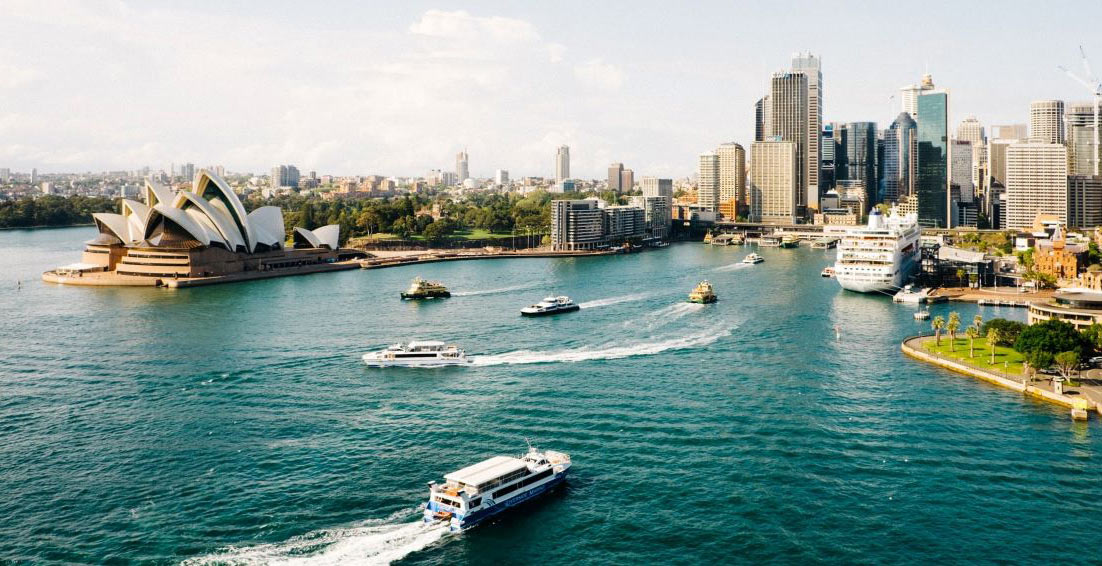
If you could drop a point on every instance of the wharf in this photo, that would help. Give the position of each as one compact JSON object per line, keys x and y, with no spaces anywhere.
{"x":991,"y":296}
{"x":434,"y":257}
{"x":1090,"y":389}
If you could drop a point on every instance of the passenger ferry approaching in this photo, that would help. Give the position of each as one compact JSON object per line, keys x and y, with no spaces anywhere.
{"x":880,"y":256}
{"x":418,"y":354}
{"x":476,"y":493}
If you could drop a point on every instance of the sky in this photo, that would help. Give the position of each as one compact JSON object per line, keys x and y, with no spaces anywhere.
{"x":388,"y":88}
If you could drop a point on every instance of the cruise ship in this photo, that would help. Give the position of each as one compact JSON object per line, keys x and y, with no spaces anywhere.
{"x":880,"y":256}
{"x":478,"y":492}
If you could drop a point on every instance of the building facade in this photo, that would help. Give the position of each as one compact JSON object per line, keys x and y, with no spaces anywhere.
{"x":732,"y":173}
{"x":1036,"y":183}
{"x":576,"y":225}
{"x":789,"y":96}
{"x":562,"y":163}
{"x":774,"y":193}
{"x":932,"y":179}
{"x":1046,"y":121}
{"x":1084,"y":201}
{"x":614,"y":177}
{"x":462,"y":166}
{"x":811,"y":66}
{"x":707,"y":184}
{"x":855,"y":157}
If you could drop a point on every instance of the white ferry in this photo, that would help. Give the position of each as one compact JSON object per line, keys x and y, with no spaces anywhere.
{"x":878,"y":257}
{"x":476,"y":493}
{"x":422,"y":354}
{"x":753,"y":258}
{"x":551,"y":305}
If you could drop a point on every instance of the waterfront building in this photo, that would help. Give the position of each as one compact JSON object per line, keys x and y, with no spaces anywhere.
{"x":908,"y":95}
{"x":855,"y":157}
{"x":576,"y":225}
{"x":811,"y":66}
{"x":663,"y":188}
{"x":1084,"y":201}
{"x":732,"y":173}
{"x":789,"y":97}
{"x":615,"y":177}
{"x":562,"y":163}
{"x":932,"y":179}
{"x":501,"y":177}
{"x":1036,"y":183}
{"x":462,"y":167}
{"x":1056,"y":257}
{"x":1078,"y":306}
{"x":1046,"y":121}
{"x":774,"y":192}
{"x":623,"y":223}
{"x":203,"y":231}
{"x":656,"y":215}
{"x":707,"y":184}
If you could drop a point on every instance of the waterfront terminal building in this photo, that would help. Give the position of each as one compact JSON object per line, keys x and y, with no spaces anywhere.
{"x":200,"y":232}
{"x":1075,"y":305}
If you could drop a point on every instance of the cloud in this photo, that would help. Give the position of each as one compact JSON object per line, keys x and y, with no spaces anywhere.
{"x":13,"y":76}
{"x":556,"y":52}
{"x":598,"y":74}
{"x":460,"y":25}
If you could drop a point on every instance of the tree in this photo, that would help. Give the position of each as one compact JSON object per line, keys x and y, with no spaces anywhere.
{"x":977,"y":321}
{"x":1066,"y":363}
{"x":1039,"y":360}
{"x":1009,"y":330}
{"x":961,"y":274}
{"x":952,"y":326}
{"x":972,"y":332}
{"x":1050,"y":336}
{"x":1092,"y":335}
{"x":938,"y":323}
{"x":994,"y":335}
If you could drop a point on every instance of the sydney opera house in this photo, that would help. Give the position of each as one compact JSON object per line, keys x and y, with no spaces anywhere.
{"x":199,"y":234}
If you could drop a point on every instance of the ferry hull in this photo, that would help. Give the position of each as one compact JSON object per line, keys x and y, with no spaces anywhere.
{"x":552,"y":312}
{"x":470,"y":520}
{"x":374,"y":362}
{"x":434,"y":295}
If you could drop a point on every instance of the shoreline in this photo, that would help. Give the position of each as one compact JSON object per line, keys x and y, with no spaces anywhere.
{"x":911,"y":347}
{"x":47,"y":227}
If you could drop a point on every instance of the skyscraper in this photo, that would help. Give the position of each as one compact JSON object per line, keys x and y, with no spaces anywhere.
{"x":971,"y":130}
{"x":932,"y":183}
{"x":562,"y":163}
{"x":732,"y":172}
{"x":501,"y":178}
{"x":34,"y":176}
{"x":614,"y":176}
{"x":855,"y":157}
{"x":655,"y":187}
{"x":898,"y":170}
{"x":790,"y":123}
{"x":462,"y":169}
{"x":910,"y":93}
{"x":1046,"y":121}
{"x":1036,"y":182}
{"x":763,"y":118}
{"x":1084,"y":201}
{"x":827,"y":172}
{"x":810,"y":65}
{"x":774,"y":168}
{"x":707,"y":183}
{"x":627,"y":180}
{"x":960,"y":177}
{"x":1083,"y":153}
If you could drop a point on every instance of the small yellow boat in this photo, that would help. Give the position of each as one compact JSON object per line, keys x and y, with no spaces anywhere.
{"x":703,"y":293}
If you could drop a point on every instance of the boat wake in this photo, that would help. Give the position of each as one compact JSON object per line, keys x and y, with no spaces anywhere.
{"x":612,"y":301}
{"x":495,"y":291}
{"x":732,"y":266}
{"x":371,"y":542}
{"x":665,"y":315}
{"x":605,"y":352}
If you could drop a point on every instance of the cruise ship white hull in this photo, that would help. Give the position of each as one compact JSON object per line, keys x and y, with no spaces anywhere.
{"x":879,"y":257}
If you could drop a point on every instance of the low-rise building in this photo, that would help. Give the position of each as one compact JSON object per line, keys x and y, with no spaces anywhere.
{"x":1078,"y":306}
{"x":1058,"y":258}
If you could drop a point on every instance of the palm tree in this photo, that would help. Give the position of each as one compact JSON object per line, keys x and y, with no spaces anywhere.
{"x":938,"y":323}
{"x":971,"y":332}
{"x":952,"y":326}
{"x":993,"y":337}
{"x":961,"y":274}
{"x":977,"y":321}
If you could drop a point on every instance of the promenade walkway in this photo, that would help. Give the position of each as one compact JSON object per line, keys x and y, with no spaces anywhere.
{"x":1089,"y":388}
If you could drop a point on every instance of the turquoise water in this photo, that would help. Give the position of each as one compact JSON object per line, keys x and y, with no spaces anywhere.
{"x":236,"y":423}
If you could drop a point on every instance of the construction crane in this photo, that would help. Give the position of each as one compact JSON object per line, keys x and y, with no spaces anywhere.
{"x":1095,"y":87}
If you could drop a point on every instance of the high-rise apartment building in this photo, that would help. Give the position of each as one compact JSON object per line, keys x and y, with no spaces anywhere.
{"x":1046,"y":121}
{"x":774,"y":192}
{"x":932,"y":182}
{"x":960,"y":170}
{"x":501,"y":178}
{"x":1036,"y":182}
{"x":562,"y":163}
{"x":627,"y":180}
{"x":732,"y":173}
{"x":654,"y":187}
{"x":789,"y":96}
{"x":811,"y":66}
{"x":576,"y":225}
{"x":614,"y":177}
{"x":707,"y":183}
{"x":909,"y":94}
{"x":282,"y":176}
{"x":462,"y":166}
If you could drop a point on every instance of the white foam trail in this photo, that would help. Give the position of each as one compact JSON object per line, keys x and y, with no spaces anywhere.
{"x":612,"y":301}
{"x":732,"y":266}
{"x":495,"y":291}
{"x":606,"y":352}
{"x":371,"y":543}
{"x":666,"y":315}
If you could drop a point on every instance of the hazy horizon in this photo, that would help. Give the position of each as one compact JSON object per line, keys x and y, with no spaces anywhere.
{"x":399,"y":89}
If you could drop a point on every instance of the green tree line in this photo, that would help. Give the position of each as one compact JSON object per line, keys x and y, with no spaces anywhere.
{"x":53,"y":210}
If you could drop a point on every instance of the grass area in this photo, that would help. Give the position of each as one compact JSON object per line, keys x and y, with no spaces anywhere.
{"x":982,"y":359}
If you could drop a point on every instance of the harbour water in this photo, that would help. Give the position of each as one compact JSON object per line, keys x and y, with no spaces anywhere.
{"x":236,"y":423}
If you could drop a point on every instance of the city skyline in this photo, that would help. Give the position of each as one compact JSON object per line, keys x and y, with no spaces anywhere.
{"x":116,"y":86}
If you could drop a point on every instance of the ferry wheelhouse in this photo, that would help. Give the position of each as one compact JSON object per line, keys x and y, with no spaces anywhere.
{"x":878,"y":257}
{"x":478,"y":492}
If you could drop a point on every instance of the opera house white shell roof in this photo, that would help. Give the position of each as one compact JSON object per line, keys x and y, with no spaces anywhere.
{"x":209,"y":214}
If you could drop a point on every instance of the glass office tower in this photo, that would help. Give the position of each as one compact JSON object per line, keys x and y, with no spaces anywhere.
{"x":932,"y":183}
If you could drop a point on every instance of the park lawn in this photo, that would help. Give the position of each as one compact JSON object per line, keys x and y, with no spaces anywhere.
{"x":983,"y":354}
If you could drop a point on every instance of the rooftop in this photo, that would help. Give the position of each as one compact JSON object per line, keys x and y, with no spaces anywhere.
{"x":487,"y":470}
